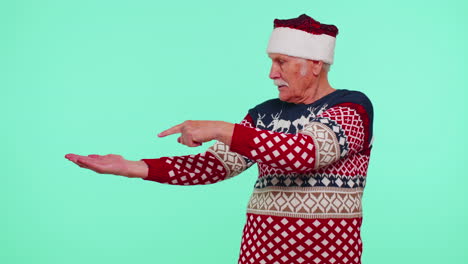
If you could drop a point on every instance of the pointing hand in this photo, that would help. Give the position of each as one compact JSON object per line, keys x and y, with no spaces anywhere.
{"x":194,"y":133}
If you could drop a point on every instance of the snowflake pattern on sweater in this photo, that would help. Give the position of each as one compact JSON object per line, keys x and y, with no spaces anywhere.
{"x":312,"y":160}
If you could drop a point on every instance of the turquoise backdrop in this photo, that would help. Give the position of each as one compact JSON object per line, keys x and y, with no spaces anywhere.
{"x":102,"y":76}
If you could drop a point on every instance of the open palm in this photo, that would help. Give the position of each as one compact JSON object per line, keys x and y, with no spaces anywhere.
{"x":108,"y":164}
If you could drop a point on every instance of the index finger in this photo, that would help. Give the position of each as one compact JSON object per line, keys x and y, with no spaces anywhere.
{"x":173,"y":130}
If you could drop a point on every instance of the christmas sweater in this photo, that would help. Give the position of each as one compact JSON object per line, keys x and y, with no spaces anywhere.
{"x":312,"y":161}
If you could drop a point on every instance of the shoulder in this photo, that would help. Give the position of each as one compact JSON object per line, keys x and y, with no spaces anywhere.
{"x":354,"y":103}
{"x":349,"y":96}
{"x":353,"y":99}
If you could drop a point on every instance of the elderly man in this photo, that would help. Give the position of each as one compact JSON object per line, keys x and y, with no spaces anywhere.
{"x":312,"y":147}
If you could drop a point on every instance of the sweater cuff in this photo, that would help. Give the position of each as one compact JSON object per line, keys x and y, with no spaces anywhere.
{"x":241,"y":141}
{"x":157,"y":170}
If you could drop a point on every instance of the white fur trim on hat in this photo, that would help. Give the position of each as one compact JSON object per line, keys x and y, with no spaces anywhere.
{"x":298,"y":43}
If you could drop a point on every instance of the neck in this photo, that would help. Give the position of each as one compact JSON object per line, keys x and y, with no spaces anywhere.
{"x":319,"y":89}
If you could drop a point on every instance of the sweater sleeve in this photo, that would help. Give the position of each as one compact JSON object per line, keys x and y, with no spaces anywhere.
{"x":216,"y":164}
{"x":340,"y":131}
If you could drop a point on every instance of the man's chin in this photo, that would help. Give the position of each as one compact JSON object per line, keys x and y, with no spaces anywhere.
{"x":283,"y":97}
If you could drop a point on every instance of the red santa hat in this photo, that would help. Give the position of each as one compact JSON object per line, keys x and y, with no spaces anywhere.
{"x":303,"y":37}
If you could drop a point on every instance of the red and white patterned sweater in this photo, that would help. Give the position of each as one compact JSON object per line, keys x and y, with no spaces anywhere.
{"x":312,"y":161}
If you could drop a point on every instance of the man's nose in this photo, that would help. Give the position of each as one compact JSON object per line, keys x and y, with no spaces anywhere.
{"x":274,"y":73}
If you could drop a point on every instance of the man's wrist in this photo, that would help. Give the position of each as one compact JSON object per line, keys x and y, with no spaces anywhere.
{"x":137,"y":169}
{"x":225,"y":131}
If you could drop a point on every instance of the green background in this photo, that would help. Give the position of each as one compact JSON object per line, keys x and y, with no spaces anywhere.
{"x":99,"y":77}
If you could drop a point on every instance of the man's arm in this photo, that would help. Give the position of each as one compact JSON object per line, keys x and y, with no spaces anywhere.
{"x":216,"y":164}
{"x":336,"y":133}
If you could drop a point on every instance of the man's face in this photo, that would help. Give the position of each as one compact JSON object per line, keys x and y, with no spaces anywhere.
{"x":293,"y":76}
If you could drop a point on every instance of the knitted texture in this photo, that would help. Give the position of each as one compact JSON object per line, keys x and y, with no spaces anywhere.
{"x":312,"y":160}
{"x":307,"y":24}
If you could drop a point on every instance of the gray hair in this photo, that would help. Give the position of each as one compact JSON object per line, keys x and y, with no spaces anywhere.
{"x":326,"y":67}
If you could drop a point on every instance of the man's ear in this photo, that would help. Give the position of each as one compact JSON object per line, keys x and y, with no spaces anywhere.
{"x":317,"y":67}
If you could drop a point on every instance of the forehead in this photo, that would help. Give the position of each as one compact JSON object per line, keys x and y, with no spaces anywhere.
{"x":279,"y":56}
